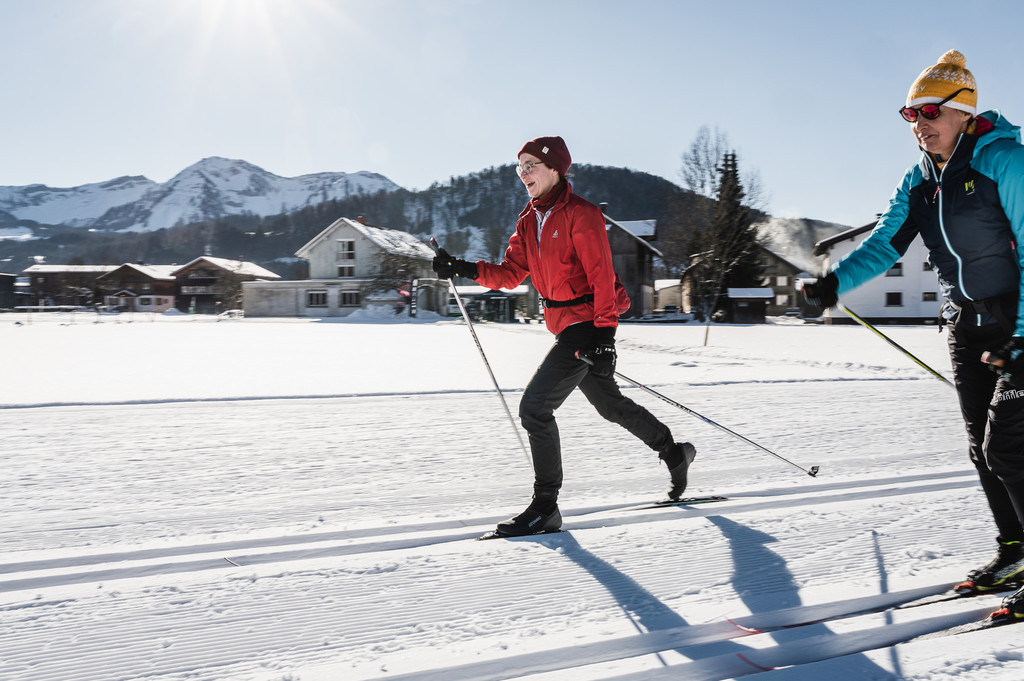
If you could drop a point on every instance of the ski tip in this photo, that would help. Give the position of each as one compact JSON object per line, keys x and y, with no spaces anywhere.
{"x":683,"y":501}
{"x":494,"y":534}
{"x":434,"y":244}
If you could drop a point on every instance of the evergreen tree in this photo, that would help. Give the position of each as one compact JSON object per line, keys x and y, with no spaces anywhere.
{"x":725,"y":254}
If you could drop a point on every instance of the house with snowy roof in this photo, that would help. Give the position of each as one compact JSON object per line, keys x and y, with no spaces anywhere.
{"x":908,"y":293}
{"x":352,"y":264}
{"x":138,"y":288}
{"x":63,"y":285}
{"x":209,"y":285}
{"x":633,"y":259}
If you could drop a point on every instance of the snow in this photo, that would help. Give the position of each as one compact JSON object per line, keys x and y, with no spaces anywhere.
{"x":189,"y":497}
{"x":210,"y":188}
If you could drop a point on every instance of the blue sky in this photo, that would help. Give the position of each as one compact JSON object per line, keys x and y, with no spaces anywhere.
{"x":423,"y":90}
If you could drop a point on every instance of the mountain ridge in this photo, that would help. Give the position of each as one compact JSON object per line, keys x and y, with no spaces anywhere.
{"x":211,"y":188}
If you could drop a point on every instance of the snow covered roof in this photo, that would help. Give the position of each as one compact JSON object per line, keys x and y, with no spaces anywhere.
{"x":660,"y":284}
{"x":637,"y":229}
{"x":393,"y":241}
{"x":70,"y":269}
{"x":765,"y":293}
{"x":162,"y":272}
{"x":640,"y":228}
{"x":239,"y":267}
{"x":823,"y":246}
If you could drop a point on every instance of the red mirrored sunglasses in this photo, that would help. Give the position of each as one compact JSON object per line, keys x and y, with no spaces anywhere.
{"x":929,"y":111}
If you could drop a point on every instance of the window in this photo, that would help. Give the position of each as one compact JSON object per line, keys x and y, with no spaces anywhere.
{"x":346,"y":271}
{"x":896,"y":271}
{"x":316,"y":298}
{"x":782,"y":280}
{"x":346,"y":249}
{"x":894,"y":299}
{"x":350,"y":299}
{"x":929,"y":296}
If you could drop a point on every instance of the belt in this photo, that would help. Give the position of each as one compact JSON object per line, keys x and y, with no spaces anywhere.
{"x":993,"y":307}
{"x":567,"y":303}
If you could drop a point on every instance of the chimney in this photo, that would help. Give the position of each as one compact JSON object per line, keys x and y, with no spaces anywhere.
{"x":361,"y":219}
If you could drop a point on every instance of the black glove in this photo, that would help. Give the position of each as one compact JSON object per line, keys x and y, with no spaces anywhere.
{"x":822,"y":291}
{"x":447,"y":267}
{"x":601,"y":357}
{"x":601,"y":360}
{"x":1008,"y":361}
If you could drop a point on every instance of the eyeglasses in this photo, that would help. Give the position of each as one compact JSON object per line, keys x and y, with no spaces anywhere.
{"x":929,"y":111}
{"x":527,"y":168}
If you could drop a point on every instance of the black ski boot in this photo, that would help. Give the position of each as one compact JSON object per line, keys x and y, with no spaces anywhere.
{"x":678,"y":457}
{"x":1006,"y":569}
{"x":540,"y":516}
{"x":1013,"y":608}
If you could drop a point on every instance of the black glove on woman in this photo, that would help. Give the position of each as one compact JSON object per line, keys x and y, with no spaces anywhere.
{"x":1008,"y":361}
{"x":822,"y":291}
{"x":601,"y":356}
{"x":447,"y":267}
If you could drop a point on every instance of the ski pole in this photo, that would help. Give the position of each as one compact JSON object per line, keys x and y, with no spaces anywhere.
{"x":812,"y":471}
{"x":867,"y":325}
{"x":472,"y":331}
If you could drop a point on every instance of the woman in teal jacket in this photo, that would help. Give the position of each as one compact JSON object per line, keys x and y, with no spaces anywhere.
{"x":966,"y":200}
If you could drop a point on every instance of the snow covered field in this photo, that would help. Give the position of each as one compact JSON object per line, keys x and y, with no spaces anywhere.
{"x":295,"y":500}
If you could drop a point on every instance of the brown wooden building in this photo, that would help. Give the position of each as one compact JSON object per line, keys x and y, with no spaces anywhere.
{"x":211,"y":285}
{"x":138,"y":288}
{"x":633,"y":259}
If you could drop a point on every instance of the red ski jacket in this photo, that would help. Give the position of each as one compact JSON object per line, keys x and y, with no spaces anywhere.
{"x":573,"y":259}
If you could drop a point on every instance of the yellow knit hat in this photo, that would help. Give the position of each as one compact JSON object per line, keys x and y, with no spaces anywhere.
{"x":940,"y":81}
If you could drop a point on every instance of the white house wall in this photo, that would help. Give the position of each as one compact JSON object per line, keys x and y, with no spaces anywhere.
{"x":323,"y":260}
{"x":290,"y":298}
{"x":869,"y":299}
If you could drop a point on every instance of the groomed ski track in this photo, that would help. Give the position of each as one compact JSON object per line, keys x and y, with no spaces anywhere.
{"x":333,"y":538}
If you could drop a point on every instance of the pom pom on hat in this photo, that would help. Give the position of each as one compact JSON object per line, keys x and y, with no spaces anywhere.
{"x":550,"y":150}
{"x":940,"y":81}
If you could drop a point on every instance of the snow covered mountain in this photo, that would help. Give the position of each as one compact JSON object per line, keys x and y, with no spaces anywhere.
{"x":212,"y":188}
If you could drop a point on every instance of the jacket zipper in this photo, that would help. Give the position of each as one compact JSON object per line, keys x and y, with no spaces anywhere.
{"x":942,"y":222}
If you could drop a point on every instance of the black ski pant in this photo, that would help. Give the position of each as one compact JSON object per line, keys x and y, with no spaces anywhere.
{"x":556,"y":377}
{"x":993,"y":412}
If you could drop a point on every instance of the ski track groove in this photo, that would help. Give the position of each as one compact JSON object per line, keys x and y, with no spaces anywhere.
{"x":201,"y":637}
{"x":221,"y":620}
{"x":578,"y":522}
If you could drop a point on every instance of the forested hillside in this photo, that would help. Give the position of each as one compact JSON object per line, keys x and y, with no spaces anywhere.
{"x":472,"y":215}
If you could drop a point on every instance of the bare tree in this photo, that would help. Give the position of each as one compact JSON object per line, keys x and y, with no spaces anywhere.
{"x":393,"y":272}
{"x":700,"y":162}
{"x":700,"y":170}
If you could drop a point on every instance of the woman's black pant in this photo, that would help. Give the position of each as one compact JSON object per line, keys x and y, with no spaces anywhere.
{"x":556,"y":377}
{"x":993,"y":412}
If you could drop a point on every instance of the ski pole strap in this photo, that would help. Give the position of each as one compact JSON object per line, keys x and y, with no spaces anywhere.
{"x":567,"y":303}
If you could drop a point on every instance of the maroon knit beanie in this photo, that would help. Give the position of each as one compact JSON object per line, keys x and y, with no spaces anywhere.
{"x":550,"y":150}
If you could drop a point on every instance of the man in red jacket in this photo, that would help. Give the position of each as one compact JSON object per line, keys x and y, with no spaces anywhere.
{"x":561,"y":242}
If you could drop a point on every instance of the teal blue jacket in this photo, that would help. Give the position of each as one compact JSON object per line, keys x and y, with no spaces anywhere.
{"x":970,"y":216}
